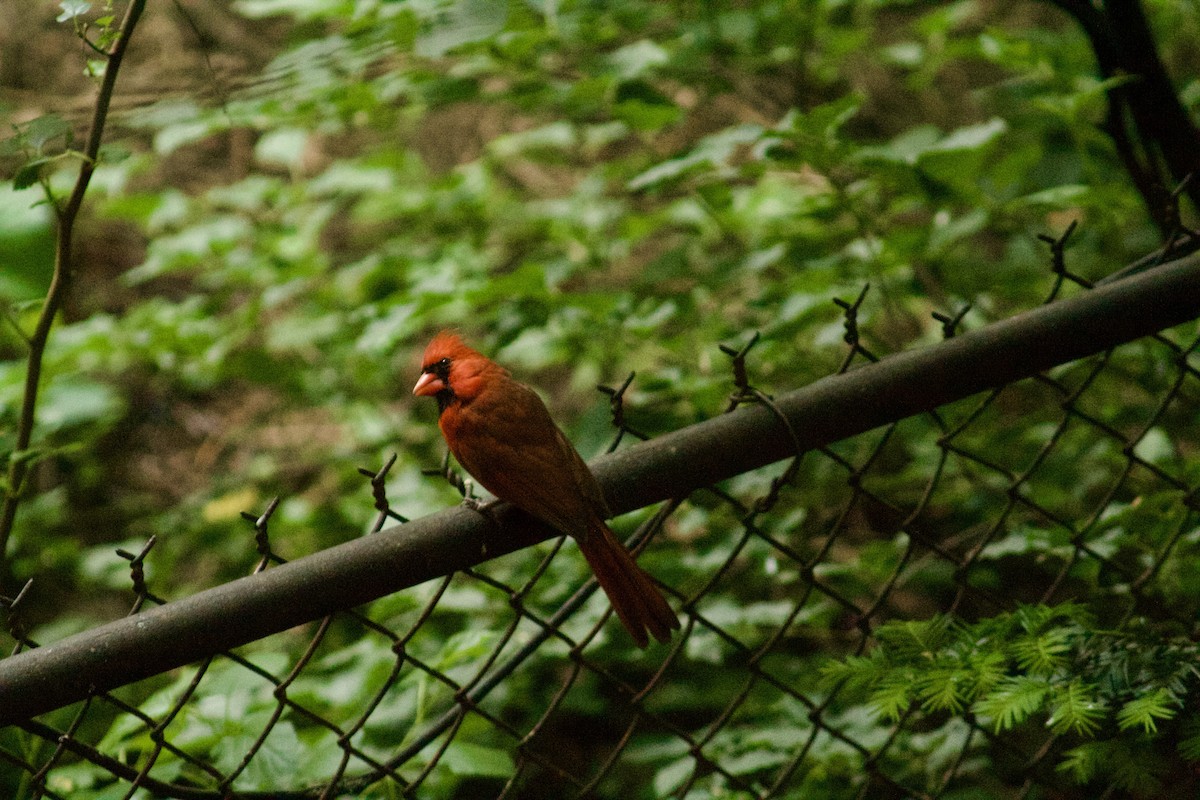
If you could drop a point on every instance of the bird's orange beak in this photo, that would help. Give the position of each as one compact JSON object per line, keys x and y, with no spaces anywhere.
{"x":428,"y":384}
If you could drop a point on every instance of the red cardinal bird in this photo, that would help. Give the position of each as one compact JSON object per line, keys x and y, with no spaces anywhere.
{"x":500,"y":431}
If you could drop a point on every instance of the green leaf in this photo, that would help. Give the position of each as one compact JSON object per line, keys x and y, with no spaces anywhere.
{"x":918,"y":640}
{"x":948,"y":230}
{"x":1083,"y":763}
{"x":114,"y":153}
{"x":1045,"y":653}
{"x":715,"y":150}
{"x":26,"y":252}
{"x":636,"y":59}
{"x":753,"y":761}
{"x":284,"y":147}
{"x":672,"y":775}
{"x":1076,"y":709}
{"x":468,"y":759}
{"x":646,"y":116}
{"x":42,"y":130}
{"x":893,"y":695}
{"x":971,"y":137}
{"x":958,"y":159}
{"x":465,"y":647}
{"x":30,"y":173}
{"x":459,"y":23}
{"x":1012,"y":701}
{"x":75,"y":400}
{"x":942,"y":690}
{"x":72,"y":9}
{"x":275,"y":762}
{"x":1189,"y":745}
{"x":386,"y":331}
{"x":557,"y":136}
{"x":1155,"y":447}
{"x":857,"y":673}
{"x":904,"y":148}
{"x":1143,"y":711}
{"x":1065,"y":196}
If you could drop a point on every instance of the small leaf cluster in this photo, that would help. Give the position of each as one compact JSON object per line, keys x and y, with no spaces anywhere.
{"x":38,"y":143}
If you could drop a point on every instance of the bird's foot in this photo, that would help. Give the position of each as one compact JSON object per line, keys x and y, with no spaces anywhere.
{"x":482,"y":506}
{"x":487,"y":510}
{"x":485,"y":507}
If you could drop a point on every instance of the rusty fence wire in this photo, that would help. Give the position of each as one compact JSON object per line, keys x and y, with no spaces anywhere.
{"x":507,"y":678}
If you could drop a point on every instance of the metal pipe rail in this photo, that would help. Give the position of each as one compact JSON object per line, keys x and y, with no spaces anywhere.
{"x":833,"y":408}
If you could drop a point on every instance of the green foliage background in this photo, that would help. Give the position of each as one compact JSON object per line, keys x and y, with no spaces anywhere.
{"x":585,"y":189}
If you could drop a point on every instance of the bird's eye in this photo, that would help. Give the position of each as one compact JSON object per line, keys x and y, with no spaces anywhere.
{"x":445,"y":362}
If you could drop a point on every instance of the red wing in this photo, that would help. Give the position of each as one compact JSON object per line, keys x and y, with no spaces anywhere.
{"x":506,"y":439}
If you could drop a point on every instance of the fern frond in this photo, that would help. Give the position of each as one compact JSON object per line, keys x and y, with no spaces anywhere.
{"x":1076,"y":709}
{"x":1012,"y":701}
{"x":1142,"y":712}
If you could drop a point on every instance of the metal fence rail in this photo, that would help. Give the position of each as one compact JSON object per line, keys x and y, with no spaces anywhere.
{"x":776,"y":579}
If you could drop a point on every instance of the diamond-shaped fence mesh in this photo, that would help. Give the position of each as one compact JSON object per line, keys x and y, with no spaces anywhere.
{"x":969,"y":490}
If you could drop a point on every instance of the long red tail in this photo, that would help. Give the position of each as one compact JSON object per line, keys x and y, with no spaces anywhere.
{"x":638,"y":602}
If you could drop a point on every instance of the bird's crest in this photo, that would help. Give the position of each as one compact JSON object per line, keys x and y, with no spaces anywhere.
{"x":446,"y":344}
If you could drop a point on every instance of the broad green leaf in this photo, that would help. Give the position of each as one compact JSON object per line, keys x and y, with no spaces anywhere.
{"x":72,"y":9}
{"x":469,"y":759}
{"x":971,"y":137}
{"x":29,"y":173}
{"x":449,"y":25}
{"x":635,"y":59}
{"x":283,"y":146}
{"x":42,"y":130}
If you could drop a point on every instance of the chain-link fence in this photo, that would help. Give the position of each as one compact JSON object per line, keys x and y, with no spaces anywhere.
{"x":1048,"y":458}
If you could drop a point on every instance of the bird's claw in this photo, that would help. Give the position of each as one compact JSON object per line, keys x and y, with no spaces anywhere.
{"x":484,"y":507}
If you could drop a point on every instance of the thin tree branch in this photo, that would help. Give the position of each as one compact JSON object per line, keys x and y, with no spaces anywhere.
{"x":60,"y":281}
